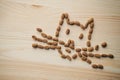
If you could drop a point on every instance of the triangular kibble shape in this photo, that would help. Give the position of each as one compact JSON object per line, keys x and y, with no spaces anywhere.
{"x":54,"y":43}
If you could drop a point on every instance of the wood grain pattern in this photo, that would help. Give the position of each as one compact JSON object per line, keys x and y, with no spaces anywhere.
{"x":18,"y":21}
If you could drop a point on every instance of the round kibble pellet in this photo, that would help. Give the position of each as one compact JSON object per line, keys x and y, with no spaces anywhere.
{"x":68,"y":57}
{"x":46,"y":47}
{"x":110,"y":56}
{"x":79,"y":54}
{"x":55,"y":39}
{"x":71,"y":23}
{"x":97,"y":55}
{"x":92,"y":25}
{"x":95,"y":66}
{"x":82,"y":27}
{"x":62,"y":16}
{"x":74,"y":56}
{"x":90,"y":49}
{"x":68,"y":50}
{"x":61,"y":22}
{"x":81,"y":36}
{"x":90,"y":31}
{"x":58,"y":28}
{"x":34,"y":37}
{"x":90,"y":20}
{"x":100,"y":66}
{"x":57,"y":33}
{"x":61,"y":42}
{"x":77,"y":49}
{"x":66,"y":15}
{"x":96,"y":47}
{"x":104,"y":44}
{"x":90,"y":54}
{"x":63,"y":56}
{"x":77,"y":23}
{"x":88,"y":61}
{"x":89,"y":36}
{"x":88,"y":43}
{"x":67,"y":31}
{"x":60,"y":51}
{"x":104,"y":55}
{"x":40,"y":46}
{"x":44,"y":35}
{"x":85,"y":54}
{"x":49,"y":37}
{"x":39,"y":29}
{"x":34,"y":45}
{"x":84,"y":49}
{"x":84,"y":58}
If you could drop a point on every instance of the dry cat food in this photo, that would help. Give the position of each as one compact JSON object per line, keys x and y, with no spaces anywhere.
{"x":81,"y":36}
{"x":84,"y":53}
{"x":67,"y":31}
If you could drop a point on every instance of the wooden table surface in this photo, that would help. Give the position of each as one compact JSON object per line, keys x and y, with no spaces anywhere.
{"x":19,"y":20}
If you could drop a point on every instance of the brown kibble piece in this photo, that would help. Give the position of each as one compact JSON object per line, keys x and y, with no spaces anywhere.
{"x":66,"y":15}
{"x":44,"y":35}
{"x":79,"y":54}
{"x":90,"y":20}
{"x":67,"y":31}
{"x":40,"y":46}
{"x":66,"y":45}
{"x":68,"y":21}
{"x":77,"y":49}
{"x":110,"y":56}
{"x":68,"y":57}
{"x":89,"y":36}
{"x":85,"y":54}
{"x":71,"y":23}
{"x":63,"y":56}
{"x":62,"y":16}
{"x":55,"y":43}
{"x":49,"y":37}
{"x":74,"y":56}
{"x":57,"y":33}
{"x":97,"y":47}
{"x":92,"y":25}
{"x":90,"y":49}
{"x":90,"y":31}
{"x":46,"y":47}
{"x":100,"y":66}
{"x":55,"y":39}
{"x":104,"y":44}
{"x":58,"y":28}
{"x":84,"y":58}
{"x":94,"y":66}
{"x":34,"y":37}
{"x":60,"y":51}
{"x":52,"y":47}
{"x":58,"y":47}
{"x":84,"y":49}
{"x":88,"y":43}
{"x":61,"y":42}
{"x":72,"y":47}
{"x":61,"y":22}
{"x":68,"y":50}
{"x":34,"y":45}
{"x":88,"y":61}
{"x":44,"y":40}
{"x":81,"y":36}
{"x":39,"y":29}
{"x":97,"y":55}
{"x":104,"y":55}
{"x":83,"y":27}
{"x":90,"y":54}
{"x":77,"y":23}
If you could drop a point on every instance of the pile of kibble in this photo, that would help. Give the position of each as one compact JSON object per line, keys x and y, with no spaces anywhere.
{"x":84,"y":53}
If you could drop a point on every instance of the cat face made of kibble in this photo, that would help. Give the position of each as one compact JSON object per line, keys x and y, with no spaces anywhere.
{"x":57,"y":43}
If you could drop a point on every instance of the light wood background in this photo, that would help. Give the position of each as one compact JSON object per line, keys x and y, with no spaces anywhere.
{"x":18,"y":21}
